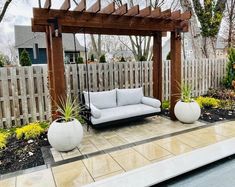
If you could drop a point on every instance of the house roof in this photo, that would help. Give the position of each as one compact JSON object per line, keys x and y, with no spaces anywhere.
{"x":25,"y":38}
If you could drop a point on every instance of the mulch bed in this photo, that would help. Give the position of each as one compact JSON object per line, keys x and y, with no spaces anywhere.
{"x":22,"y":154}
{"x":212,"y":115}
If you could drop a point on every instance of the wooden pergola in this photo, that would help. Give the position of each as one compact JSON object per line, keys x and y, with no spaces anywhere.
{"x":111,"y":21}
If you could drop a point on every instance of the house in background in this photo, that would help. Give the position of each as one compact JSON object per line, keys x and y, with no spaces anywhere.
{"x":26,"y":39}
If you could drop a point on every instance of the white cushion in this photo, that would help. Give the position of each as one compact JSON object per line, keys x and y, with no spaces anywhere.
{"x":129,"y":96}
{"x":95,"y":112}
{"x":101,"y":100}
{"x":123,"y":112}
{"x":151,"y":102}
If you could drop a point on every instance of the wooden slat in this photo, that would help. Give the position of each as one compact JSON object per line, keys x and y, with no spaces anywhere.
{"x":176,"y":14}
{"x":95,"y":7}
{"x":109,"y":9}
{"x":32,"y":102}
{"x":186,"y":15}
{"x":66,"y":5}
{"x":133,"y":11}
{"x":5,"y":94}
{"x":40,"y":92}
{"x":121,"y":10}
{"x":145,"y":12}
{"x":166,"y":13}
{"x":81,"y":6}
{"x":156,"y":13}
{"x":47,"y":4}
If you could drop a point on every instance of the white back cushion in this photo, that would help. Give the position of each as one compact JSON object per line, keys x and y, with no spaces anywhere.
{"x":102,"y":100}
{"x":129,"y":96}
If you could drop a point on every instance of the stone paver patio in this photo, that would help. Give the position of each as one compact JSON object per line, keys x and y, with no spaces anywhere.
{"x":102,"y":166}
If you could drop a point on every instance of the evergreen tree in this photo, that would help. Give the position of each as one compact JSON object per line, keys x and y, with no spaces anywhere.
{"x":168,"y":57}
{"x":102,"y":59}
{"x":122,"y":59}
{"x":25,"y":59}
{"x":2,"y":60}
{"x":142,"y":58}
{"x":79,"y":60}
{"x":230,"y":71}
{"x":92,"y":58}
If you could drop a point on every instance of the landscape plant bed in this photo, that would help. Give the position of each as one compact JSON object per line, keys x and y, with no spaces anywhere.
{"x":211,"y":115}
{"x":22,"y":154}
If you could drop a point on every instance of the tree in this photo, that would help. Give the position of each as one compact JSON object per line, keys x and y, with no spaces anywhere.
{"x":168,"y":57}
{"x":230,"y":71}
{"x":25,"y":59}
{"x":2,"y":60}
{"x":142,"y":58}
{"x":209,"y":15}
{"x":4,"y":9}
{"x":102,"y":59}
{"x":92,"y":58}
{"x":230,"y":22}
{"x":122,"y":59}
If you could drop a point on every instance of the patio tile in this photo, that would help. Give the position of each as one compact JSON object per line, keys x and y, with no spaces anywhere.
{"x":191,"y":140}
{"x":11,"y":182}
{"x":110,"y":175}
{"x":163,"y":158}
{"x":101,"y":165}
{"x":71,"y":175}
{"x":151,"y":151}
{"x":129,"y":159}
{"x":101,"y":143}
{"x":116,"y":140}
{"x":165,"y":140}
{"x":71,"y":154}
{"x":176,"y":147}
{"x":87,"y":147}
{"x":56,"y":155}
{"x":36,"y":179}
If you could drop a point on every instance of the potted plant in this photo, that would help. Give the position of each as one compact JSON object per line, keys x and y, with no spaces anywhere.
{"x":186,"y":109}
{"x":66,"y":132}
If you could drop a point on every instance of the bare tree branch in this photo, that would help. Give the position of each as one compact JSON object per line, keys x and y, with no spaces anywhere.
{"x":4,"y":9}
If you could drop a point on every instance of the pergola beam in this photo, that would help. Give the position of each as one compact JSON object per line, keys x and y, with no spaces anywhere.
{"x":47,"y":4}
{"x":156,"y":13}
{"x":108,"y":9}
{"x":81,"y":6}
{"x":95,"y":7}
{"x":121,"y":10}
{"x":145,"y":12}
{"x":103,"y":21}
{"x":133,"y":11}
{"x":66,"y":5}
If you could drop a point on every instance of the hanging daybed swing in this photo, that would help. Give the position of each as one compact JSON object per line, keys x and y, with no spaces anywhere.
{"x":117,"y":106}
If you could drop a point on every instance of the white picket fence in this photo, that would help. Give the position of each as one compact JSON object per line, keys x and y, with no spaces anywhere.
{"x":24,"y":95}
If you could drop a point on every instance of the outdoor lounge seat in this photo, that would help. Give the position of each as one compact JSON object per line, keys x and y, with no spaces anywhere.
{"x":112,"y":107}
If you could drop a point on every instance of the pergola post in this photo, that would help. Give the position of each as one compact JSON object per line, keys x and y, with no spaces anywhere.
{"x":157,"y":66}
{"x":175,"y":71}
{"x":56,"y":75}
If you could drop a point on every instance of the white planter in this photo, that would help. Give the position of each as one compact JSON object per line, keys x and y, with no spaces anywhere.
{"x":65,"y":136}
{"x":187,"y":112}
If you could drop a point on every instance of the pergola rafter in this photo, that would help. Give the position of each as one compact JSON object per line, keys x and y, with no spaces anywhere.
{"x":111,"y":20}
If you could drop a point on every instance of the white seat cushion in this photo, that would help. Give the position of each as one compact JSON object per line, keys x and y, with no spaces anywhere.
{"x":129,"y":96}
{"x":101,"y":100}
{"x":123,"y":112}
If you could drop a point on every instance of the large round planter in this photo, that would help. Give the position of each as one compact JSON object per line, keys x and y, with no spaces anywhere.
{"x":187,"y":112}
{"x":65,"y":136}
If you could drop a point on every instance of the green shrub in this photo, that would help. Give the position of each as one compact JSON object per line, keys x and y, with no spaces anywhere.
{"x":3,"y":139}
{"x":30,"y":131}
{"x":25,"y":59}
{"x":207,"y":102}
{"x":166,"y":104}
{"x":2,"y":60}
{"x":102,"y":59}
{"x":230,"y":71}
{"x":80,"y":60}
{"x":186,"y":92}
